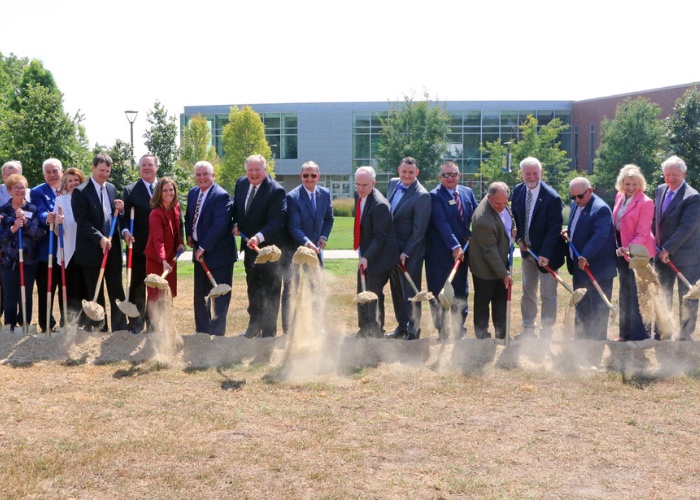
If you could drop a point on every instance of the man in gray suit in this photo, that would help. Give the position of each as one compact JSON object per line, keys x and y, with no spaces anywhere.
{"x":677,"y":230}
{"x":410,"y":207}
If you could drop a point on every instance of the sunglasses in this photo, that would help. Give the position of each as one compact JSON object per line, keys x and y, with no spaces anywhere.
{"x":579,"y":196}
{"x":306,"y":176}
{"x":447,"y":175}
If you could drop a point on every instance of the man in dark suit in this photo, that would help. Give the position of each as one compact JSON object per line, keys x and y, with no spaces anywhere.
{"x":309,"y":222}
{"x":538,"y":218}
{"x":208,"y":230}
{"x":44,"y":197}
{"x":592,"y":232}
{"x":489,"y":250}
{"x":259,"y":212}
{"x":375,"y":240}
{"x":138,"y":196}
{"x":677,"y":230}
{"x":410,"y":208}
{"x":452,"y":207}
{"x":94,"y":203}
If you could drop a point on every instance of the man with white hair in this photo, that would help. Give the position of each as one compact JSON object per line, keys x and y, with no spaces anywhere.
{"x":374,"y":238}
{"x":592,"y":233}
{"x":44,"y":197}
{"x":677,"y":230}
{"x":208,"y":230}
{"x":9,"y":168}
{"x":537,"y":210}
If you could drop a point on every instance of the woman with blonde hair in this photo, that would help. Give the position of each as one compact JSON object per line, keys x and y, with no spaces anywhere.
{"x":633,"y":215}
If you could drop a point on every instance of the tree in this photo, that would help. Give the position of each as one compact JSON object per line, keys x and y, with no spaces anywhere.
{"x":542,"y":143}
{"x":243,"y":135}
{"x":161,"y":140}
{"x":196,"y":144}
{"x":414,"y":128}
{"x":683,"y":133}
{"x":636,"y":135}
{"x":41,"y":130}
{"x":11,"y":68}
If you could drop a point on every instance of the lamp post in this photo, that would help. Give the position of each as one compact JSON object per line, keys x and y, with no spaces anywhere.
{"x":508,"y":158}
{"x":131,"y":116}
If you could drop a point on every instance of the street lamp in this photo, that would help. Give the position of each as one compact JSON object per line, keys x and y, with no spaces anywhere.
{"x":507,"y":159}
{"x":131,"y":116}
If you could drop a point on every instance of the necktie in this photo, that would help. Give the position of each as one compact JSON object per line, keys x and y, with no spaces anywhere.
{"x":313,"y":201}
{"x":358,"y":216}
{"x":249,"y":201}
{"x":528,"y":206}
{"x":459,"y":205}
{"x":667,"y":201}
{"x":150,"y":188}
{"x":196,"y":210}
{"x":104,"y":199}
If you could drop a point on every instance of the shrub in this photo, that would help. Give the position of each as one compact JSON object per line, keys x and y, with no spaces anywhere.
{"x":343,"y":207}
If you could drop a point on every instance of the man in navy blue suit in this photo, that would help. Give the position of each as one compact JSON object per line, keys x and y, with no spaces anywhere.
{"x":410,"y":209}
{"x":309,"y":221}
{"x":44,"y":197}
{"x":259,"y":212}
{"x":208,"y":230}
{"x":592,"y":232}
{"x":448,"y":232}
{"x":677,"y":230}
{"x":538,"y":218}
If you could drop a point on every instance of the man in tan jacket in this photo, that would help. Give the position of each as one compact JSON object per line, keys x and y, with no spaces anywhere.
{"x":489,"y":249}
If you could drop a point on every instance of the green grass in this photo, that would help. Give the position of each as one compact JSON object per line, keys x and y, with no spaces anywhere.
{"x":341,"y":235}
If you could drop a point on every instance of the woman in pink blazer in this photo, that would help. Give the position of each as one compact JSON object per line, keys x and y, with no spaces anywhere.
{"x":633,"y":215}
{"x":164,"y":241}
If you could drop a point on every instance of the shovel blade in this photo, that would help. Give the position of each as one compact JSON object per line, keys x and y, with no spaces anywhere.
{"x":218,"y":290}
{"x":639,"y":251}
{"x":447,"y":295}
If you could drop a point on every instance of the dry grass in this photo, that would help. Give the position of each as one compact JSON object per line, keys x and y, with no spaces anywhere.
{"x":411,"y":420}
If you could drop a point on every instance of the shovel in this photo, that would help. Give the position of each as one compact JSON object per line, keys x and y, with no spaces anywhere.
{"x":218,"y":290}
{"x":92,"y":309}
{"x":155,"y":281}
{"x":304,"y":256}
{"x":447,"y":294}
{"x":508,"y":296}
{"x":127,"y":307}
{"x":49,"y":277}
{"x":364,"y":296}
{"x":420,"y":295}
{"x":266,"y":254}
{"x":576,"y":295}
{"x":613,"y":309}
{"x":693,"y":290}
{"x":23,"y":289}
{"x":62,"y":253}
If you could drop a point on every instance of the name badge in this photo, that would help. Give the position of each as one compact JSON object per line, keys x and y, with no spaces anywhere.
{"x":28,"y":215}
{"x":452,"y":202}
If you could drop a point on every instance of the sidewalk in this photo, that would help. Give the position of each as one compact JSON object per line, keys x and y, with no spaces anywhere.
{"x":327,"y":254}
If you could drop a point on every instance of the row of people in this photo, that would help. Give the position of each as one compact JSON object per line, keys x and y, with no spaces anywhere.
{"x":392,"y":236}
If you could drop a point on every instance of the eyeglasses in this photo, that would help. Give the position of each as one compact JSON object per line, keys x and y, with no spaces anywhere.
{"x":17,"y":189}
{"x":447,"y":175}
{"x":306,"y":176}
{"x":579,"y":196}
{"x":357,"y":184}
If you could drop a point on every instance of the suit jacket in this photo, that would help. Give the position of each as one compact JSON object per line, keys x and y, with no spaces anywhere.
{"x":44,"y":198}
{"x":303,"y":222}
{"x":411,"y":218}
{"x":136,"y":195}
{"x":213,"y":226}
{"x":677,"y":230}
{"x":489,"y":247}
{"x":636,"y":221}
{"x":377,"y":234}
{"x":594,"y":238}
{"x":447,"y":229}
{"x":545,"y":226}
{"x":164,"y":235}
{"x":89,"y":217}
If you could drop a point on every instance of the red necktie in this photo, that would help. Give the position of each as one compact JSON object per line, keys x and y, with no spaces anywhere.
{"x":459,"y":205}
{"x":358,"y":216}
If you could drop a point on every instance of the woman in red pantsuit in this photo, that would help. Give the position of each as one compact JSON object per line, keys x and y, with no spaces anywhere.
{"x":164,"y":240}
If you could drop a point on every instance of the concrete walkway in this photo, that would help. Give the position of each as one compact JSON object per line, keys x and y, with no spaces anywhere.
{"x":327,"y":254}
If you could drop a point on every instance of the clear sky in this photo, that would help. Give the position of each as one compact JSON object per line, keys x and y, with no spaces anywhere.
{"x":108,"y":56}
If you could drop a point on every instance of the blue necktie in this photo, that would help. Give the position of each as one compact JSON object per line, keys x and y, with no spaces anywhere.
{"x":313,"y":201}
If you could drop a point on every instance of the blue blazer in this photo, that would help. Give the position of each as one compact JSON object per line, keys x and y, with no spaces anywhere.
{"x":546,"y":224}
{"x":446,"y":230}
{"x":214,"y":226}
{"x":44,"y":197}
{"x":411,"y":218}
{"x":594,"y":238}
{"x":304,"y":224}
{"x":677,"y":230}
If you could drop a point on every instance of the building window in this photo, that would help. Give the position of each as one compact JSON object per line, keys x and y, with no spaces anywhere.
{"x":281,"y":132}
{"x":366,"y":134}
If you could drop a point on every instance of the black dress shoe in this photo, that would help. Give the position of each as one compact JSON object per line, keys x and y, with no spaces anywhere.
{"x":398,"y":333}
{"x":250,"y":334}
